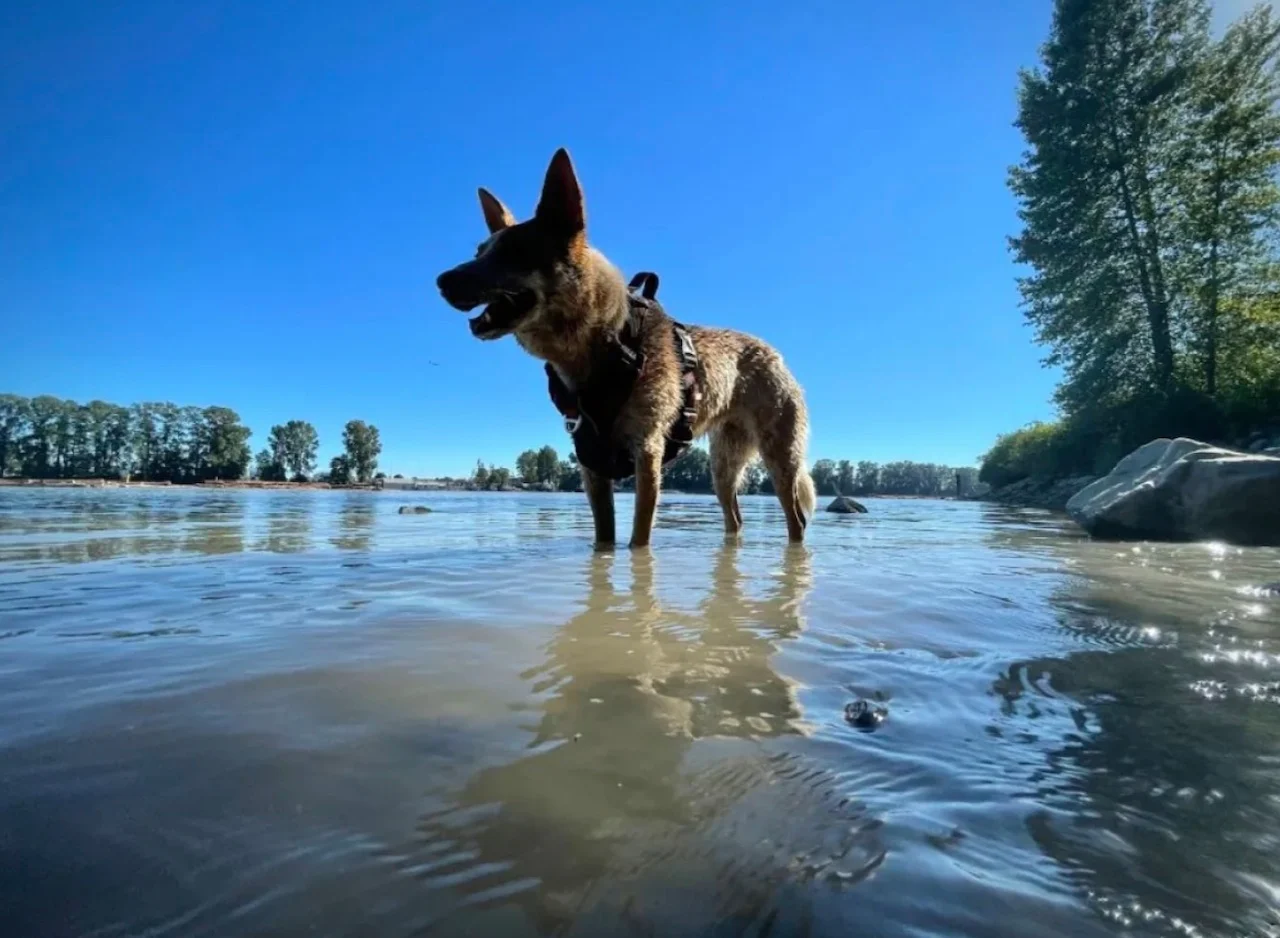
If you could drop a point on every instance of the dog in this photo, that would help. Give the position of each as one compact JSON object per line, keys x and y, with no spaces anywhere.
{"x":566,"y":304}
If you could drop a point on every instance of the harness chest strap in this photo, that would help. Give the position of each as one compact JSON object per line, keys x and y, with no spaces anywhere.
{"x":591,"y":411}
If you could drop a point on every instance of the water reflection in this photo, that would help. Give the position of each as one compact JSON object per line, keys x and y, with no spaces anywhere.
{"x":629,"y":685}
{"x":356,"y":520}
{"x":1157,"y":780}
{"x":289,"y":527}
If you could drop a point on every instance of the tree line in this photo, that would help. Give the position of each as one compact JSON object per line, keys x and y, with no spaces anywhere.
{"x":1150,"y":212}
{"x":691,"y":472}
{"x":48,"y":437}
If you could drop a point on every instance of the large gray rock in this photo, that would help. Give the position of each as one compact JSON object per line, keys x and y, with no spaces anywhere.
{"x":1184,"y":490}
{"x":844,"y":505}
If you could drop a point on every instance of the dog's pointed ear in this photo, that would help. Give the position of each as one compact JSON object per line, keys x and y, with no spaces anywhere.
{"x":496,"y":215}
{"x":561,"y":202}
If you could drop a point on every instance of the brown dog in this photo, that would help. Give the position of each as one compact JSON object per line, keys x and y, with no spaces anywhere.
{"x":566,"y":303}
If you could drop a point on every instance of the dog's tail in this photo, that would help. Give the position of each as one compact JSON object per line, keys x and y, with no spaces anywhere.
{"x":805,"y":495}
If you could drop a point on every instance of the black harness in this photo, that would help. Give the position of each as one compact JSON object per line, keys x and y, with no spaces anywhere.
{"x":591,"y":411}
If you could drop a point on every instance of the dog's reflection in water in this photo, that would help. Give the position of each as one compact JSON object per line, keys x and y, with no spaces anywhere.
{"x":628,"y":686}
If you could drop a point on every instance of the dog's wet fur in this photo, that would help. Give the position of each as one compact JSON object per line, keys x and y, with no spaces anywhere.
{"x":540,"y":281}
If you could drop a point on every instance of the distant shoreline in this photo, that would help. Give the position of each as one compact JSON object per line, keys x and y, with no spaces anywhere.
{"x":396,"y":487}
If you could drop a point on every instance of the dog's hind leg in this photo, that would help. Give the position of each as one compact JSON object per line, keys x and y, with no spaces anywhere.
{"x":731,"y":450}
{"x":784,"y":435}
{"x":599,"y":491}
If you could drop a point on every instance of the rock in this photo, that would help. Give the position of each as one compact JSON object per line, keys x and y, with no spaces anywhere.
{"x":844,"y":505}
{"x":1182,"y":490}
{"x":864,"y":715}
{"x":414,"y":510}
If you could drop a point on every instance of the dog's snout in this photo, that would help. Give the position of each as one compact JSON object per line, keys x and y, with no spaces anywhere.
{"x":458,"y":289}
{"x":449,"y":281}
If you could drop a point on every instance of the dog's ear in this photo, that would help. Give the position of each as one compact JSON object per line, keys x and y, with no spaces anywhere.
{"x":496,"y":215}
{"x":561,"y":203}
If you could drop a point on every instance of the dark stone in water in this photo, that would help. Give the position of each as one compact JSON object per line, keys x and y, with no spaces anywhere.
{"x":1270,"y":589}
{"x":844,"y":505}
{"x":414,"y":510}
{"x":864,"y":715}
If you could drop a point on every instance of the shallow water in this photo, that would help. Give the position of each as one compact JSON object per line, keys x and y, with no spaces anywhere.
{"x":297,"y":713}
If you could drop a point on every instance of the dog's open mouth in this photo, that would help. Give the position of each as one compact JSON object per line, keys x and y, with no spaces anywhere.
{"x":503,"y":314}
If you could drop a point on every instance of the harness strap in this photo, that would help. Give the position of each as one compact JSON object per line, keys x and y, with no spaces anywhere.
{"x":590,"y":412}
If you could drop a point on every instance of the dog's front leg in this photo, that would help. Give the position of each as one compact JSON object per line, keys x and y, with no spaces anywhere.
{"x":599,"y":491}
{"x":648,"y":480}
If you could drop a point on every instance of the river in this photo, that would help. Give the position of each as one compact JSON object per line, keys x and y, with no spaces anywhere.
{"x":302,"y":713}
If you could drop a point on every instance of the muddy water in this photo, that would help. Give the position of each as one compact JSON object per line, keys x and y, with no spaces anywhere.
{"x":256,"y":713}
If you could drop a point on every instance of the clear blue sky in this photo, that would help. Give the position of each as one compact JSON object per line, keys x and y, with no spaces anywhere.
{"x":247,"y":204}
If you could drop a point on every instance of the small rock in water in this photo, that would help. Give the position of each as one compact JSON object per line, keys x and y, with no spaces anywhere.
{"x":864,"y":715}
{"x":844,"y":505}
{"x":1270,"y":589}
{"x":414,"y":510}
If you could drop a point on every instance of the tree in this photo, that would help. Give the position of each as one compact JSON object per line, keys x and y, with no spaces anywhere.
{"x":570,"y":475}
{"x":1229,"y":191}
{"x":363,"y":446}
{"x":868,"y":480}
{"x":1149,"y":204}
{"x":267,"y":468}
{"x":13,"y":430}
{"x":225,"y":441}
{"x":499,"y":477}
{"x":527,"y":466}
{"x":690,"y":471}
{"x":824,"y":477}
{"x":339,"y":471}
{"x":40,"y":452}
{"x":753,"y":477}
{"x":480,"y":478}
{"x":293,"y":447}
{"x":846,"y":477}
{"x":548,"y":465}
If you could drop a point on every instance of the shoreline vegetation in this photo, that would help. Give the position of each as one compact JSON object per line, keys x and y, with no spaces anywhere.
{"x":1150,"y":232}
{"x":54,"y":442}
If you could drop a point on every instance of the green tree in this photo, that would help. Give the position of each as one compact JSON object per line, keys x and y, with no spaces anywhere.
{"x":846,"y":477}
{"x":824,"y":476}
{"x":363,"y":446}
{"x":45,"y":415}
{"x":690,"y":471}
{"x":14,"y":430}
{"x":266,"y":468}
{"x":499,"y":477}
{"x":293,"y":447}
{"x":868,"y":480}
{"x":145,"y":441}
{"x":480,"y":478}
{"x":548,"y":466}
{"x":340,"y":470}
{"x":527,"y":465}
{"x":225,"y":441}
{"x":1229,"y":193}
{"x":1149,"y":209}
{"x":570,"y":475}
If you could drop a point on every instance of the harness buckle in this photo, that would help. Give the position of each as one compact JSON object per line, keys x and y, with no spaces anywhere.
{"x":573,"y":424}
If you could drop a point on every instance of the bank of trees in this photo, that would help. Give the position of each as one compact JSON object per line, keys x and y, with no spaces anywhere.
{"x":48,"y":437}
{"x":544,"y":469}
{"x":1150,"y":209}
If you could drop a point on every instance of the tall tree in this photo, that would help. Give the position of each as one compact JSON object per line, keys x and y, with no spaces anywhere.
{"x":548,"y":465}
{"x":1104,"y":120}
{"x":527,"y":465}
{"x":363,"y":446}
{"x":1229,"y":197}
{"x":293,"y":447}
{"x":225,"y":441}
{"x":13,"y":430}
{"x":824,"y":476}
